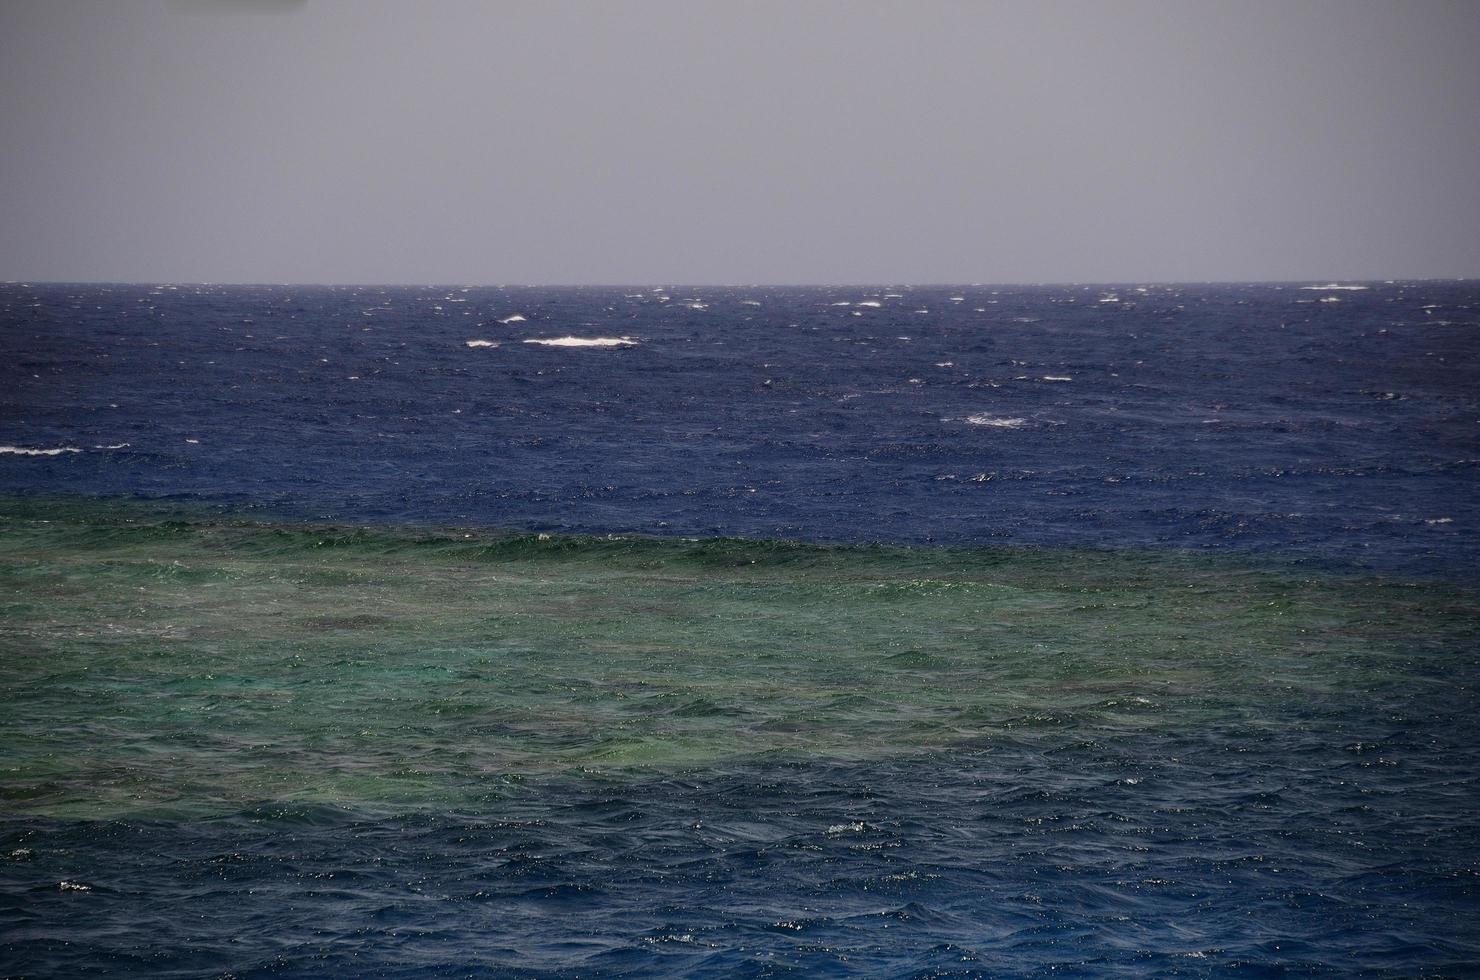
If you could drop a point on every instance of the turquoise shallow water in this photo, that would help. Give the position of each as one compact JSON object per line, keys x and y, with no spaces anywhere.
{"x":276,"y":748}
{"x":1214,"y":714}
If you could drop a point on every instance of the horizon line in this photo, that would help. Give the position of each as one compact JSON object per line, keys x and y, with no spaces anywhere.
{"x":677,"y":284}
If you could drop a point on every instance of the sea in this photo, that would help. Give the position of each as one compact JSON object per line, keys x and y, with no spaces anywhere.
{"x":842,"y":631}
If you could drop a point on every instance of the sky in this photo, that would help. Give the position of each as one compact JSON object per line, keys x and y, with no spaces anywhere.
{"x":745,"y":141}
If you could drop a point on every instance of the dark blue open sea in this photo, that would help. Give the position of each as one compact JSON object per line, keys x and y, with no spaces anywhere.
{"x":714,"y":631}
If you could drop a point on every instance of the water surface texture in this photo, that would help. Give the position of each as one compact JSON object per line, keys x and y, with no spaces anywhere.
{"x":1096,"y":631}
{"x":1338,"y":422}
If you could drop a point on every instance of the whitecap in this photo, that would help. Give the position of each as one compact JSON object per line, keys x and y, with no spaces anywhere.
{"x":582,"y":341}
{"x":750,"y":302}
{"x":1330,"y":299}
{"x":481,"y":343}
{"x":515,"y":318}
{"x":1057,"y":377}
{"x":994,"y":421}
{"x":1439,"y":520}
{"x":1332,"y":285}
{"x":23,"y":451}
{"x":871,"y":302}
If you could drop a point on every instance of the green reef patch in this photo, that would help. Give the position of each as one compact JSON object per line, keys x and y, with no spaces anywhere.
{"x":155,"y":661}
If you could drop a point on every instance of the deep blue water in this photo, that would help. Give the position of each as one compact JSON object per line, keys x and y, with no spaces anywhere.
{"x":1336,"y":427}
{"x":1342,"y":424}
{"x":1036,"y":858}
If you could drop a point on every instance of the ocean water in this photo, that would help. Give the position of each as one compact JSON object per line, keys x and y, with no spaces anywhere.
{"x":886,"y":631}
{"x":1336,"y":423}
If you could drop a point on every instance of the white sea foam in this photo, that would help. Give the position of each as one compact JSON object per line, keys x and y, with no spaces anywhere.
{"x":871,"y":302}
{"x":1330,"y":299}
{"x":995,"y":421}
{"x":1439,"y":520}
{"x":750,"y":302}
{"x":1057,"y":377}
{"x":1333,"y":285}
{"x":582,"y":341}
{"x":481,"y":343}
{"x":23,"y":451}
{"x":515,"y":318}
{"x":116,"y":445}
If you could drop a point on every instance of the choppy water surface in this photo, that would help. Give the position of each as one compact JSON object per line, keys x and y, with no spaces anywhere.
{"x":306,"y":750}
{"x":1162,"y":659}
{"x":1335,"y":422}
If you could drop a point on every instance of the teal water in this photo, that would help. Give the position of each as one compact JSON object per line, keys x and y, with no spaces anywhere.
{"x":574,"y":747}
{"x":198,"y":664}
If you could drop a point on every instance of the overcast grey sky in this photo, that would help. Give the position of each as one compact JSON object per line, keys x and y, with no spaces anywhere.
{"x":541,"y":141}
